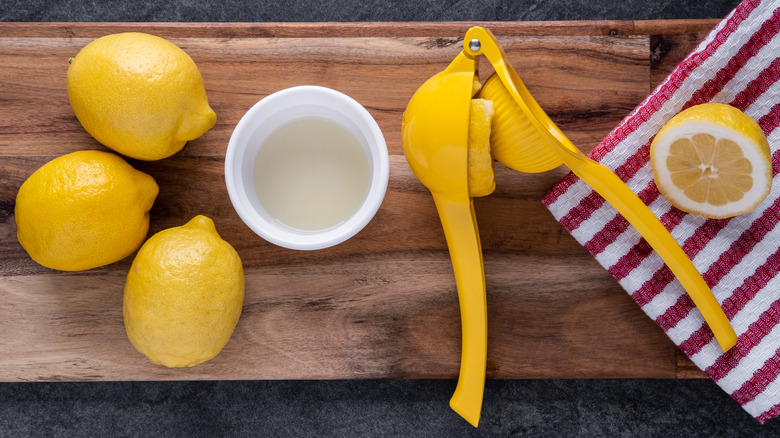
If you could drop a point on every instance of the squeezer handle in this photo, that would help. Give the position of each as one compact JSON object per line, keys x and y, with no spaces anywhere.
{"x":460,"y":230}
{"x":617,"y":193}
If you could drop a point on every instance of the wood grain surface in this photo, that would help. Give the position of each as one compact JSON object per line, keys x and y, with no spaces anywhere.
{"x":383,"y":304}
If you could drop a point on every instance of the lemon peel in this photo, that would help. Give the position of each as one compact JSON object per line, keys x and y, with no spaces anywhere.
{"x":138,"y":94}
{"x":183,"y":295}
{"x":84,"y":210}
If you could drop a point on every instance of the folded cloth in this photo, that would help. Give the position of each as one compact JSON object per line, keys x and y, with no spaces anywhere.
{"x":739,"y":258}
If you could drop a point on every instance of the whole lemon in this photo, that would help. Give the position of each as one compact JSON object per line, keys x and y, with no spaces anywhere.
{"x":139,"y":95}
{"x":183,"y":295}
{"x":83,"y":210}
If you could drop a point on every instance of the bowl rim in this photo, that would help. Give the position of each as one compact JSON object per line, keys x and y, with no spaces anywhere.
{"x":284,"y":100}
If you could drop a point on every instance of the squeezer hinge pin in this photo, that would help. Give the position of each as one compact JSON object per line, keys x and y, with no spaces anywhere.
{"x":475,"y":45}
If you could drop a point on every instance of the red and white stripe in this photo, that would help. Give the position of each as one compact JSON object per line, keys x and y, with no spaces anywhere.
{"x":737,"y":63}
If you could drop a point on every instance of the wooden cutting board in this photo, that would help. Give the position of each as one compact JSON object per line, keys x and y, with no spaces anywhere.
{"x":383,"y":304}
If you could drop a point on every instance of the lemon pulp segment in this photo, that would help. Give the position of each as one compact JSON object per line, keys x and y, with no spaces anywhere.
{"x":481,"y":175}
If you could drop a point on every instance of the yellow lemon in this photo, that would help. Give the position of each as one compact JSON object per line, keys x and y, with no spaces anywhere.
{"x":139,"y":94}
{"x":183,"y":295}
{"x":712,"y":160}
{"x":83,"y":210}
{"x":481,"y":176}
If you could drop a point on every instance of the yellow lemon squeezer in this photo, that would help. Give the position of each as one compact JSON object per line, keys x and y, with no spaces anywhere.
{"x":435,"y":134}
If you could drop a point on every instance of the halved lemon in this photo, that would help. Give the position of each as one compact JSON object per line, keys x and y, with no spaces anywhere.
{"x":481,"y":177}
{"x":712,"y":160}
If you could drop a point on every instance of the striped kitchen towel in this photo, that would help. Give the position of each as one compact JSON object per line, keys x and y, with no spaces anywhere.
{"x":737,"y":63}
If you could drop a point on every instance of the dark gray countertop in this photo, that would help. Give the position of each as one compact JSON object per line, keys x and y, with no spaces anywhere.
{"x":361,"y":10}
{"x":664,"y":408}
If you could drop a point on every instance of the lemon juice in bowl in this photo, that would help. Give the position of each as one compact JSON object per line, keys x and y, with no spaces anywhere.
{"x":311,"y":174}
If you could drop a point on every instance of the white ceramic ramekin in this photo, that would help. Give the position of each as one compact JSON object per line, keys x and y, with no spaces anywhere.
{"x":268,"y":115}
